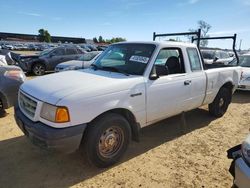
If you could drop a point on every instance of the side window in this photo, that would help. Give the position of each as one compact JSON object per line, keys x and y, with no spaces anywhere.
{"x":71,"y":51}
{"x":59,"y":51}
{"x":169,"y":61}
{"x":194,"y":59}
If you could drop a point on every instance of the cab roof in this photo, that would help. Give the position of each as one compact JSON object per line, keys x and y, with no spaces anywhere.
{"x":163,"y":43}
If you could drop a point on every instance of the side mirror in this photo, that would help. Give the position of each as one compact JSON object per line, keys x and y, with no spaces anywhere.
{"x":215,"y":58}
{"x":153,"y":76}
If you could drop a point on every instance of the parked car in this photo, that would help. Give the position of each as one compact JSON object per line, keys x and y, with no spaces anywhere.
{"x":130,"y":86}
{"x":101,"y":48}
{"x":11,"y":77}
{"x":85,"y":48}
{"x":216,"y":57}
{"x":244,"y":63}
{"x":244,"y":83}
{"x":8,"y":47}
{"x":3,"y":60}
{"x":48,"y":59}
{"x":83,"y":62}
{"x":240,"y":166}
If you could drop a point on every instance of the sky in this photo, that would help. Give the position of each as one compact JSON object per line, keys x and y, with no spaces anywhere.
{"x":135,"y":20}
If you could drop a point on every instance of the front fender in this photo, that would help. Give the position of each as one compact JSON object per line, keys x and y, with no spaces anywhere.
{"x":86,"y":110}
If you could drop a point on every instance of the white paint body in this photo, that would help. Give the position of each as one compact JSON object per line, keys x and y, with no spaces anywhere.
{"x":89,"y":93}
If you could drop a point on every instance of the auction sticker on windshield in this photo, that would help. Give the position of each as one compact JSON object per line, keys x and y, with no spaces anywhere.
{"x":140,"y":59}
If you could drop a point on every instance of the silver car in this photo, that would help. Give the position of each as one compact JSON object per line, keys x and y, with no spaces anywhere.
{"x":240,"y":166}
{"x":83,"y":62}
{"x":11,"y":77}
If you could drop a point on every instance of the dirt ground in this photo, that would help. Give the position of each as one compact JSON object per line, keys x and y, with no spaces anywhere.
{"x":165,"y":156}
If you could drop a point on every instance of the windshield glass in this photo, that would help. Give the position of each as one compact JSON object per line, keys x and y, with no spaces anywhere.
{"x":127,"y":58}
{"x":208,"y":54}
{"x":244,"y":61}
{"x":45,"y":52}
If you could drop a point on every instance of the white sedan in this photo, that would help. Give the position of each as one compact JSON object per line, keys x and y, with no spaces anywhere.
{"x":244,"y":83}
{"x":83,"y":62}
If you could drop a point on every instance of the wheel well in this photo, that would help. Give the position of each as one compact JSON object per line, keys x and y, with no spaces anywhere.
{"x":129,"y":116}
{"x":229,"y":86}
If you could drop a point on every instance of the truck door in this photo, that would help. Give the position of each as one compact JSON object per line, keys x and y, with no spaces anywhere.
{"x":167,"y":95}
{"x":197,"y":78}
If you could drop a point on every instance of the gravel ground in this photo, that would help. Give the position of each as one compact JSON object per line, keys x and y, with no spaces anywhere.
{"x":165,"y":156}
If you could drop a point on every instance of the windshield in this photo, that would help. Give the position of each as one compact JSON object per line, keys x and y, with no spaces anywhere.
{"x":244,"y":61}
{"x":208,"y":54}
{"x":126,"y":58}
{"x":45,"y":52}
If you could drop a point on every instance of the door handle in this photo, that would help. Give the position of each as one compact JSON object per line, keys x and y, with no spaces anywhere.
{"x":187,"y":82}
{"x":135,"y":94}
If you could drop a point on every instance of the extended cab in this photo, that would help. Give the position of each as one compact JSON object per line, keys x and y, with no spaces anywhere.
{"x":130,"y":86}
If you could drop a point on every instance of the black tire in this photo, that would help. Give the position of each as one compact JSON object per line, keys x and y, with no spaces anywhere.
{"x":110,"y":130}
{"x":38,"y":69}
{"x":221,"y":102}
{"x":2,"y":110}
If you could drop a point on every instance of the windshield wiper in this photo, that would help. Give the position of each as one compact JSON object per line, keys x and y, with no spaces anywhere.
{"x":115,"y":69}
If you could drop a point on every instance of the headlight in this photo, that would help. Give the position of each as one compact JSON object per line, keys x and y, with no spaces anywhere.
{"x":15,"y":74}
{"x":245,"y":147}
{"x":57,"y":114}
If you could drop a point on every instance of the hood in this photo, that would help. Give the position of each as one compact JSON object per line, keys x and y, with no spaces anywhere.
{"x":88,"y":82}
{"x":76,"y":63}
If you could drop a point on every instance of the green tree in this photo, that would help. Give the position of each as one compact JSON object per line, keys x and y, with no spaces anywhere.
{"x":100,"y":39}
{"x":44,"y":35}
{"x":95,"y":40}
{"x":116,"y":39}
{"x":205,"y":27}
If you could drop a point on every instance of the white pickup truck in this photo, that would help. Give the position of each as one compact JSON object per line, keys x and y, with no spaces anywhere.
{"x":130,"y":86}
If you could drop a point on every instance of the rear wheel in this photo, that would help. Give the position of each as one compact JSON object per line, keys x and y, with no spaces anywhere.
{"x":221,"y":102}
{"x":38,"y":69}
{"x":107,"y":139}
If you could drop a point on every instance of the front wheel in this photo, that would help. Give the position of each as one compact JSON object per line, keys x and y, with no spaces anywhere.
{"x":221,"y":102}
{"x":38,"y":69}
{"x":107,"y":139}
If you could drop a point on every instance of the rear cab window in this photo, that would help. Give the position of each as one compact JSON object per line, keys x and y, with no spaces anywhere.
{"x":194,"y":59}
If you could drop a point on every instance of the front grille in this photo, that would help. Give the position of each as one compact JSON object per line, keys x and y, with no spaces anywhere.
{"x":27,"y":105}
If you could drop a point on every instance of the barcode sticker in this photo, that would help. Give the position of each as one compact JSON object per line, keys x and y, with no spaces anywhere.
{"x":140,"y":59}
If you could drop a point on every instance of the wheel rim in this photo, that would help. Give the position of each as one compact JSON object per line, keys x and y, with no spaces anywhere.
{"x":39,"y":69}
{"x":221,"y":102}
{"x":111,"y":142}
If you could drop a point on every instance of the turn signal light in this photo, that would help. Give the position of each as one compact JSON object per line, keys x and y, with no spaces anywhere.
{"x":62,"y":115}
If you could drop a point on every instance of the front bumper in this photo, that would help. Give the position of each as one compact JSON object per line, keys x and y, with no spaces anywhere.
{"x":239,"y":169}
{"x":65,"y":140}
